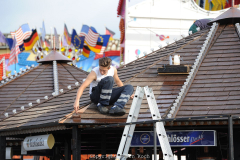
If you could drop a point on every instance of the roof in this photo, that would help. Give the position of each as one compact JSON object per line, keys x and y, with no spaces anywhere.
{"x":213,"y":90}
{"x":35,"y":84}
{"x":232,"y":15}
{"x":59,"y":109}
{"x":216,"y":87}
{"x":54,"y":56}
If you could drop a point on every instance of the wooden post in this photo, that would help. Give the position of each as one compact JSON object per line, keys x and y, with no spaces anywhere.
{"x":2,"y":147}
{"x":179,"y":154}
{"x":103,"y":146}
{"x":76,"y":143}
{"x":230,"y":138}
{"x":67,"y":149}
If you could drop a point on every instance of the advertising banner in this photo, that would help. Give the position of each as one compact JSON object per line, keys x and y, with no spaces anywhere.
{"x":38,"y":142}
{"x":177,"y":138}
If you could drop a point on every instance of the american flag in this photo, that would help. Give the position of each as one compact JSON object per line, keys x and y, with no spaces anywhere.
{"x":92,"y":38}
{"x":22,"y":33}
{"x":13,"y":34}
{"x":84,"y":31}
{"x":14,"y":53}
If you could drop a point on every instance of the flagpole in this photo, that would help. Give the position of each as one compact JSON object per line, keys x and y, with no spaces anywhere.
{"x":51,"y":37}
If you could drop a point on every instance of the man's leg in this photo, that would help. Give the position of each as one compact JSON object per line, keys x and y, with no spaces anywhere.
{"x":120,"y":97}
{"x":101,"y":94}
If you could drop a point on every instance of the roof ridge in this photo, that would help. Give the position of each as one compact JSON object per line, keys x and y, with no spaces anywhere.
{"x":208,"y":43}
{"x":162,"y":58}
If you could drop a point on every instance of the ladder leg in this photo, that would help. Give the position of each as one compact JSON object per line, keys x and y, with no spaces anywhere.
{"x":129,"y":129}
{"x":161,"y":133}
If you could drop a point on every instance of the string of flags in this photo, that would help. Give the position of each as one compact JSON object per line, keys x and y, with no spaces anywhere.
{"x":71,"y":45}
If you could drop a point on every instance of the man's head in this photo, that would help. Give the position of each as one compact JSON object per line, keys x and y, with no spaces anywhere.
{"x":104,"y":65}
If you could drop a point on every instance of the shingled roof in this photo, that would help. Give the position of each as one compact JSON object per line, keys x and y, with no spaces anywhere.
{"x":35,"y":83}
{"x":211,"y":88}
{"x":59,"y":109}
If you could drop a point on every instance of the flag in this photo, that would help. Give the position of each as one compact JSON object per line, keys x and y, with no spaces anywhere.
{"x":65,"y":42}
{"x":12,"y":34}
{"x":14,"y":52}
{"x":43,"y":32}
{"x":76,"y":40}
{"x":9,"y":42}
{"x":55,"y":39}
{"x":109,"y":32}
{"x":22,"y":47}
{"x":67,"y":35}
{"x":86,"y":51}
{"x":102,"y":39}
{"x":2,"y":38}
{"x":45,"y":43}
{"x":29,"y":42}
{"x":92,"y":37}
{"x":84,"y":31}
{"x":105,"y":43}
{"x":22,"y":33}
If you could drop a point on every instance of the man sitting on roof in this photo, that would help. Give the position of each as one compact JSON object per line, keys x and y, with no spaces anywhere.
{"x":101,"y":90}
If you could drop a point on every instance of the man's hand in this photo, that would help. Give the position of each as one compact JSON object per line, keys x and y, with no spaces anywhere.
{"x":132,"y":96}
{"x":76,"y":106}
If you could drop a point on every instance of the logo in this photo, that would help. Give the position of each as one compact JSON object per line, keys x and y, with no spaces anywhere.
{"x":145,"y":138}
{"x":101,"y":38}
{"x":77,"y":42}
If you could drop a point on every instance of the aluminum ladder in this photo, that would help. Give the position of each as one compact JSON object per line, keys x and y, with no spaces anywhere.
{"x":124,"y":145}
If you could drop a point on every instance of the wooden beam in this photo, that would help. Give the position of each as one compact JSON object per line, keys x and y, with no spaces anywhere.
{"x":76,"y":143}
{"x":2,"y":147}
{"x":67,"y":149}
{"x":103,"y":146}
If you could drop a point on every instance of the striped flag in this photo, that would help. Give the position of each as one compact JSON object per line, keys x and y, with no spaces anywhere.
{"x":12,"y":34}
{"x":92,"y":37}
{"x":14,"y":53}
{"x":22,"y":33}
{"x":84,"y":31}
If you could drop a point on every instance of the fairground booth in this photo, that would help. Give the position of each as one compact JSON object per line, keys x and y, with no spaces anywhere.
{"x":196,"y":83}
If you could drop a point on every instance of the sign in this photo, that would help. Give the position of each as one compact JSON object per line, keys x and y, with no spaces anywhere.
{"x":38,"y":142}
{"x":9,"y":153}
{"x":177,"y":138}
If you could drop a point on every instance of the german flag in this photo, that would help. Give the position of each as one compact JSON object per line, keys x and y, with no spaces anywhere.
{"x":97,"y":48}
{"x":86,"y":51}
{"x":29,"y":42}
{"x":67,"y":35}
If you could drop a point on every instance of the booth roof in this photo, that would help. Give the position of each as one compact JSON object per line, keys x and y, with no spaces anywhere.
{"x":142,"y":72}
{"x":215,"y":89}
{"x":35,"y":84}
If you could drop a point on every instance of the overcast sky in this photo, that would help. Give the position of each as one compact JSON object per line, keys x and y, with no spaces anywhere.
{"x":96,"y":13}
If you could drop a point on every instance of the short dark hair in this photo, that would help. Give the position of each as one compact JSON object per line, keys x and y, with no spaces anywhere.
{"x":105,"y":62}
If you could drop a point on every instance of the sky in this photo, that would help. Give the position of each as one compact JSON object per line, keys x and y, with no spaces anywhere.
{"x":54,"y":13}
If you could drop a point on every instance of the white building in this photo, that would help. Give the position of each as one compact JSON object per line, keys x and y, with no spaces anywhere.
{"x":157,"y":22}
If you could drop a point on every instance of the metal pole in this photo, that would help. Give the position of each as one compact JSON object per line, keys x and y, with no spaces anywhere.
{"x":232,"y":3}
{"x":155,"y":141}
{"x":230,"y":138}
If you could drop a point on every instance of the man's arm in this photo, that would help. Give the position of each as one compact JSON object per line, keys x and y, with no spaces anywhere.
{"x":92,"y":76}
{"x":116,"y":78}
